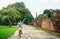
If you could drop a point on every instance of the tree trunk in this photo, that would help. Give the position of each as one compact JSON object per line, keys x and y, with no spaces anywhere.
{"x":10,"y":24}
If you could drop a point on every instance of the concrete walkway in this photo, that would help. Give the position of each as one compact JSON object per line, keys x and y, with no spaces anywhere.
{"x":31,"y":33}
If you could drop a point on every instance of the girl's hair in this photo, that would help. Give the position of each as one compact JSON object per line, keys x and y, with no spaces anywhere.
{"x":19,"y":21}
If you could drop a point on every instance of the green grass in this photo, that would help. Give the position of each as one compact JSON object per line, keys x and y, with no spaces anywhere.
{"x":6,"y":31}
{"x":50,"y":32}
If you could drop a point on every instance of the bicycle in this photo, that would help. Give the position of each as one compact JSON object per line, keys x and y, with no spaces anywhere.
{"x":20,"y":32}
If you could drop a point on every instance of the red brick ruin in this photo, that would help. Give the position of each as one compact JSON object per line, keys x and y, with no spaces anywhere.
{"x":52,"y":23}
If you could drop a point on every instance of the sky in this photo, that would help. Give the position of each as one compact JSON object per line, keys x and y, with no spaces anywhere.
{"x":34,"y":5}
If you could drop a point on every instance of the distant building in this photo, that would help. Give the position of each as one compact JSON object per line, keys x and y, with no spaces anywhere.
{"x":36,"y":15}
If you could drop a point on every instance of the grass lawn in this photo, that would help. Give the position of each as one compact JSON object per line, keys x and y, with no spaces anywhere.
{"x":5,"y":31}
{"x":50,"y":32}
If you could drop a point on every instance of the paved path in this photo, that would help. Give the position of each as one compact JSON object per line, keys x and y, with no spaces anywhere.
{"x":31,"y":33}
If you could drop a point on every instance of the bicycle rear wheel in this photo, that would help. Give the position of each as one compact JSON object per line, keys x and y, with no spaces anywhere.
{"x":20,"y":33}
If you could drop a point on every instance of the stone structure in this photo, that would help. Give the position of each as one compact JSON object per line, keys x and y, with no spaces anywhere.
{"x":37,"y":21}
{"x":56,"y":14}
{"x":56,"y":20}
{"x":52,"y":23}
{"x":47,"y":24}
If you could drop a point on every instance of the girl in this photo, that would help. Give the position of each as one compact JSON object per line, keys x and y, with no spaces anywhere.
{"x":20,"y":28}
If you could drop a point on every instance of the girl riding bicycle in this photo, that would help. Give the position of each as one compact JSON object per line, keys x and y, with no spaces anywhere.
{"x":20,"y":28}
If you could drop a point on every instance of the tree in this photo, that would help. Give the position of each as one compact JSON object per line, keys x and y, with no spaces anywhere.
{"x":40,"y":16}
{"x":52,"y":11}
{"x":15,"y":12}
{"x":10,"y":14}
{"x":57,"y":13}
{"x":28,"y":17}
{"x":25,"y":13}
{"x":57,"y":10}
{"x":17,"y":6}
{"x":47,"y":12}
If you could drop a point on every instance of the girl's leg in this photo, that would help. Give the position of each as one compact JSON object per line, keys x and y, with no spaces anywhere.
{"x":19,"y":32}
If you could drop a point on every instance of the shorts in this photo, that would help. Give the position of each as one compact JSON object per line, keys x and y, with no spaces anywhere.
{"x":20,"y":29}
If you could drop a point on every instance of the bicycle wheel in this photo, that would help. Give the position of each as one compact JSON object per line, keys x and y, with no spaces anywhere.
{"x":20,"y":33}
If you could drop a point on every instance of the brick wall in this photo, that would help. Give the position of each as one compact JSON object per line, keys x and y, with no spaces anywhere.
{"x":47,"y":24}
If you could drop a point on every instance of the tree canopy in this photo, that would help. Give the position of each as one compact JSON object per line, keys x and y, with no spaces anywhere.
{"x":48,"y":12}
{"x":15,"y":12}
{"x":40,"y":16}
